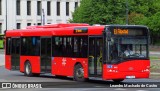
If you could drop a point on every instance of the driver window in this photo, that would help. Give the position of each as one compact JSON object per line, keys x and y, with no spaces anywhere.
{"x":114,"y":51}
{"x":128,"y":50}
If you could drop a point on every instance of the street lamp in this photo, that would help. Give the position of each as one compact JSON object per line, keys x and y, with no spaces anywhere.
{"x":42,"y":15}
{"x":6,"y":15}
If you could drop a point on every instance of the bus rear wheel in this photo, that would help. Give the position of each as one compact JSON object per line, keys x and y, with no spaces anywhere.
{"x":118,"y":80}
{"x":79,"y":73}
{"x":28,"y":69}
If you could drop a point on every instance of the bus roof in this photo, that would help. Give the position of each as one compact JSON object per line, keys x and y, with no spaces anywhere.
{"x":54,"y":31}
{"x":60,"y":25}
{"x":63,"y":30}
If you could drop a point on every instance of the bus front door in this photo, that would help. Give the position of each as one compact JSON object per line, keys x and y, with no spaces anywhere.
{"x":95,"y":56}
{"x":15,"y":53}
{"x":45,"y":55}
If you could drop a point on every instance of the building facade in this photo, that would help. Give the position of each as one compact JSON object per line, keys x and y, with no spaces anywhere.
{"x":21,"y":13}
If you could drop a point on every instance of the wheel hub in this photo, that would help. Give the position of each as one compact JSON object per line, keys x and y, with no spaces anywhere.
{"x":28,"y":68}
{"x":80,"y":73}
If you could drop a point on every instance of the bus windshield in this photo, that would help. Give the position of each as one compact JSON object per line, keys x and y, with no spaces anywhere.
{"x":128,"y":47}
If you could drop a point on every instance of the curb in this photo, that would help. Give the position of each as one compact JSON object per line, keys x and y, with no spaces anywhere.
{"x":1,"y":65}
{"x":154,"y":52}
{"x":154,"y":73}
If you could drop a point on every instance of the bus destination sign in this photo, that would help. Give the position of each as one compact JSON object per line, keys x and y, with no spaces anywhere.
{"x":121,"y":31}
{"x":81,"y":30}
{"x":129,"y":31}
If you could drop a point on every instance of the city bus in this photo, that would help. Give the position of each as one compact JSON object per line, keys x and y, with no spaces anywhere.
{"x":1,"y":41}
{"x":80,"y":51}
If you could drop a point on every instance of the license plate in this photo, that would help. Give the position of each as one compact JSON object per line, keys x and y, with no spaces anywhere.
{"x":130,"y":77}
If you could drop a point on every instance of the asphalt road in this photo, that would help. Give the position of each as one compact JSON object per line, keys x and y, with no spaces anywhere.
{"x":67,"y":84}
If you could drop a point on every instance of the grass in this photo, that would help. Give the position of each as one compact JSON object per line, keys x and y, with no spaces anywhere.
{"x":155,"y":68}
{"x":155,"y":64}
{"x":154,"y":58}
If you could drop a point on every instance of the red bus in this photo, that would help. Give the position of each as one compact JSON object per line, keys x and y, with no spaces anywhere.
{"x":80,"y":50}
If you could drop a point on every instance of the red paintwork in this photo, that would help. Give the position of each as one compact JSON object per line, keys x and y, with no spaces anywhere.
{"x":58,"y":68}
{"x":92,"y":30}
{"x":61,"y":25}
{"x":123,"y":70}
{"x":8,"y":62}
{"x":67,"y":70}
{"x":34,"y":60}
{"x":54,"y":30}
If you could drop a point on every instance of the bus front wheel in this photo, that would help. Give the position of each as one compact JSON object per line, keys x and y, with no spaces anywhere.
{"x":79,"y":73}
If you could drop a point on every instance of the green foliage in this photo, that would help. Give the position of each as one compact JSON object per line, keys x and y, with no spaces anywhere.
{"x":154,"y":23}
{"x":143,"y":12}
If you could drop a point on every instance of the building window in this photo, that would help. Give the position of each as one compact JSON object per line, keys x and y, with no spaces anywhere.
{"x":76,"y":5}
{"x":39,"y":8}
{"x":18,"y":7}
{"x":38,"y":23}
{"x":0,"y":27}
{"x":28,"y":24}
{"x":48,"y":8}
{"x":67,"y":8}
{"x":58,"y":8}
{"x":28,"y":7}
{"x":0,"y":7}
{"x":18,"y":25}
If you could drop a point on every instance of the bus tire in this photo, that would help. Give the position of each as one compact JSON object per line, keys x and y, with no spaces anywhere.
{"x":118,"y":80}
{"x":79,"y":73}
{"x":28,"y":69}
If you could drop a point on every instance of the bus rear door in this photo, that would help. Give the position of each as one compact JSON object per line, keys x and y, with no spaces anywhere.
{"x":15,"y":53}
{"x":45,"y":55}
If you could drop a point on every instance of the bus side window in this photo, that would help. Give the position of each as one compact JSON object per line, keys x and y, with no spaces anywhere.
{"x":84,"y":46}
{"x":75,"y":47}
{"x":56,"y":46}
{"x":61,"y":47}
{"x":68,"y":47}
{"x":37,"y":46}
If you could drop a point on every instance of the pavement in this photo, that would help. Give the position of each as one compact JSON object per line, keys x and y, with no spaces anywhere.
{"x":154,"y":53}
{"x":153,"y":73}
{"x":2,"y":62}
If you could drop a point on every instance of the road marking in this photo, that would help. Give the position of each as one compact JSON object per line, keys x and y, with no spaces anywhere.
{"x":120,"y":89}
{"x":98,"y":86}
{"x":3,"y":80}
{"x":141,"y":90}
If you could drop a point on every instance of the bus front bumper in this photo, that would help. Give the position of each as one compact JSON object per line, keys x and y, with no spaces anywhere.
{"x":125,"y":75}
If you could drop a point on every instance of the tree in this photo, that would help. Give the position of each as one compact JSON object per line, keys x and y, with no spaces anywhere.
{"x":143,"y":12}
{"x":99,"y":11}
{"x":154,"y":25}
